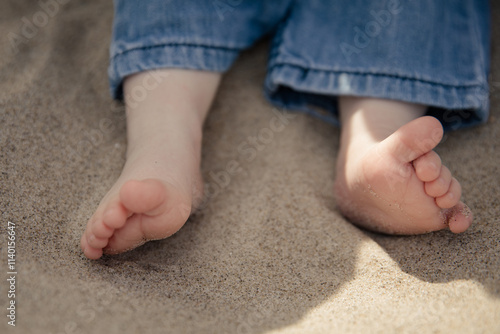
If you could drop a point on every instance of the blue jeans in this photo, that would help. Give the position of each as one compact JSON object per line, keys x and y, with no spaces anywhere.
{"x":429,"y":52}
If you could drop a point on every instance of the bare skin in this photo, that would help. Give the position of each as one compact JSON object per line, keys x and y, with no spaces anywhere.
{"x":389,"y":179}
{"x":161,"y":182}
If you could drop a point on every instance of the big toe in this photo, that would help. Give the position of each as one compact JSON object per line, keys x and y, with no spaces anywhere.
{"x":145,"y":196}
{"x":413,"y":139}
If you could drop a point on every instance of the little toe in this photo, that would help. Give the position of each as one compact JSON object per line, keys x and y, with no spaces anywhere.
{"x":92,"y":253}
{"x":452,"y":197}
{"x":441,"y":185}
{"x":89,"y":251}
{"x":428,"y":166}
{"x":83,"y":241}
{"x":459,"y":218}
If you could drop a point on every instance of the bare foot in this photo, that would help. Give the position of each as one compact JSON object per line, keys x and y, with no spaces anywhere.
{"x":161,"y":181}
{"x":389,"y":179}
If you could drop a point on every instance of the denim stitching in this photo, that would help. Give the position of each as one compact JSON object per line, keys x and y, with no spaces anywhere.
{"x":173,"y":45}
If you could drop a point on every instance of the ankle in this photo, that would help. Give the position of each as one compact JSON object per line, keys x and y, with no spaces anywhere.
{"x":368,"y":121}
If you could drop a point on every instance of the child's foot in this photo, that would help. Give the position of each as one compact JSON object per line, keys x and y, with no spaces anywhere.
{"x":388,"y":177}
{"x":161,"y":181}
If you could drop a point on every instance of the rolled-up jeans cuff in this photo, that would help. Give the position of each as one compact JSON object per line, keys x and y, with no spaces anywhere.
{"x":193,"y":57}
{"x":293,"y":87}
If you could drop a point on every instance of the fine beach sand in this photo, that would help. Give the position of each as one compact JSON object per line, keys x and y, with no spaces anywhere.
{"x":269,"y":253}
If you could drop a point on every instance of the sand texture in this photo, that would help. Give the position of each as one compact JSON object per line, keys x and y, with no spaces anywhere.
{"x":268,"y":254}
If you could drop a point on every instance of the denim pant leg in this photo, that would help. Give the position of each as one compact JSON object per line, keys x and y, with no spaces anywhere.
{"x":195,"y":34}
{"x":429,"y":52}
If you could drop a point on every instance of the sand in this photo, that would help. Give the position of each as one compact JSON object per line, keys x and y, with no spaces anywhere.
{"x":269,"y":253}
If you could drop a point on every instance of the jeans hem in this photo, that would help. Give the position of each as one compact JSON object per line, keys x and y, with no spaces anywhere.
{"x":192,"y":57}
{"x":293,"y":87}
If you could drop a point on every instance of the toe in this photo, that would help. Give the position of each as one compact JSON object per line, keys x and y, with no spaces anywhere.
{"x":460,"y":219}
{"x":95,"y":242}
{"x":129,"y":237}
{"x":141,"y":213}
{"x":89,"y":251}
{"x":441,"y":185}
{"x":92,"y":253}
{"x":100,"y":230}
{"x":452,"y":197}
{"x":428,"y":166}
{"x":115,"y":216}
{"x":141,"y":228}
{"x":83,"y":241}
{"x":143,"y":196}
{"x":413,"y":139}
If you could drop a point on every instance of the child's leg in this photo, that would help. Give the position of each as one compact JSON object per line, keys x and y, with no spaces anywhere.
{"x":161,"y":181}
{"x":424,"y":53}
{"x":388,"y":177}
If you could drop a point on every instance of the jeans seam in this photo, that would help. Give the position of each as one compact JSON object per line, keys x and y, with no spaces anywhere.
{"x":174,"y":45}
